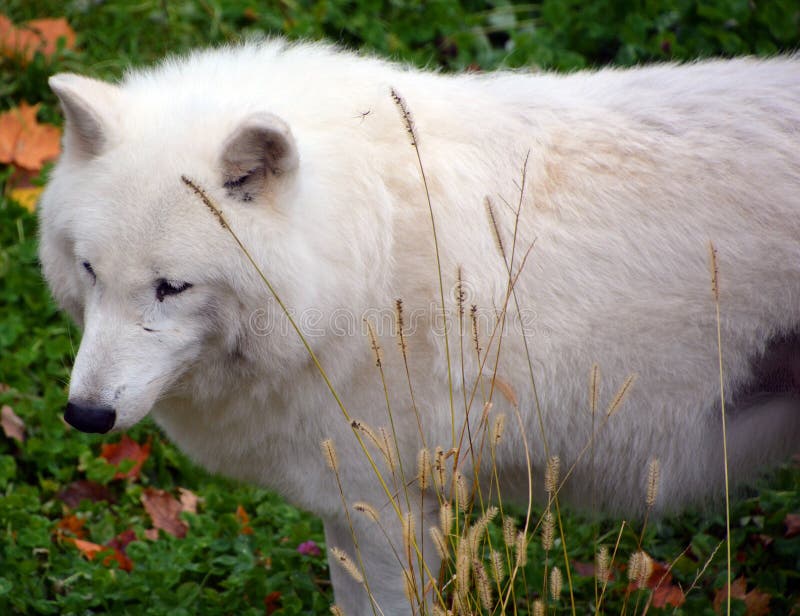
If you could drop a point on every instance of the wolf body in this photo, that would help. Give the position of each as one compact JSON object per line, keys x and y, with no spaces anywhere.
{"x":606,"y":190}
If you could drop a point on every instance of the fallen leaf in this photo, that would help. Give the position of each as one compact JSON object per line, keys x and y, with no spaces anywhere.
{"x":121,"y":541}
{"x":272,"y":602}
{"x":584,"y":569}
{"x":244,"y":520}
{"x":164,"y":510}
{"x":73,"y":525}
{"x":90,"y":550}
{"x":665,"y":593}
{"x":188,"y":500}
{"x":792,"y":523}
{"x":756,"y":601}
{"x":126,"y":449}
{"x":13,"y":426}
{"x":40,"y":35}
{"x":84,"y":489}
{"x":24,"y":142}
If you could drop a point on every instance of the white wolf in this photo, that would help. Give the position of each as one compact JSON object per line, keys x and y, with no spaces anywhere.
{"x":618,"y":179}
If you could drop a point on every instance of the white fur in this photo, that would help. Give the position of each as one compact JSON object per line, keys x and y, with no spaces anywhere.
{"x":630,"y":174}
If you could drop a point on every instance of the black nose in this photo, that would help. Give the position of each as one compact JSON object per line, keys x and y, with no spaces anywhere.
{"x":90,"y":418}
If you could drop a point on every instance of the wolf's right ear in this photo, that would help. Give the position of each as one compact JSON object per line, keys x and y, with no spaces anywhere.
{"x":86,"y":104}
{"x":260,"y":150}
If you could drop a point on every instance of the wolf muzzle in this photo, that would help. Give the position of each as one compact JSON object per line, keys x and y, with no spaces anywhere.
{"x":99,"y":419}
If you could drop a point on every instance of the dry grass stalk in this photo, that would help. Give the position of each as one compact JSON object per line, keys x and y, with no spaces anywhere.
{"x":495,"y":227}
{"x":440,"y":472}
{"x":329,"y":452}
{"x":640,"y":567}
{"x":408,"y":119}
{"x":594,"y":388}
{"x":373,"y":343}
{"x":473,"y":316}
{"x":337,"y":611}
{"x":347,"y":564}
{"x":521,"y":549}
{"x":440,"y":543}
{"x":620,"y":396}
{"x":538,"y":608}
{"x":409,"y":534}
{"x":509,"y":531}
{"x":368,"y":510}
{"x":498,"y":427}
{"x":462,"y":490}
{"x":463,"y":571}
{"x":478,"y":530}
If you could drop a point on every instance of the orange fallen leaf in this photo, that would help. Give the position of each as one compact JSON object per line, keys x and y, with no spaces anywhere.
{"x":24,"y":142}
{"x":40,"y":35}
{"x":126,"y":449}
{"x":13,"y":426}
{"x":73,"y":525}
{"x":164,"y":511}
{"x":90,"y":550}
{"x":272,"y":602}
{"x":244,"y":520}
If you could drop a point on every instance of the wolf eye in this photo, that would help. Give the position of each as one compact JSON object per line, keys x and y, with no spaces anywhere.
{"x":164,"y":288}
{"x":88,"y":267}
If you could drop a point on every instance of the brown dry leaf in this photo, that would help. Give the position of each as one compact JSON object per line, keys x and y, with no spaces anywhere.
{"x":164,"y":510}
{"x":244,"y":520}
{"x":756,"y":601}
{"x":665,"y":593}
{"x":82,"y":489}
{"x":792,"y":523}
{"x":508,"y":392}
{"x":584,"y":569}
{"x":13,"y":426}
{"x":24,"y":142}
{"x":188,"y":500}
{"x":41,"y":35}
{"x":126,"y":449}
{"x":738,"y":591}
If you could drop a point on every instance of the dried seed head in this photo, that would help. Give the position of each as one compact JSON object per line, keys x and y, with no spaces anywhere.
{"x":373,"y":342}
{"x":439,"y":468}
{"x":446,"y":518}
{"x":368,"y":432}
{"x":521,"y":549}
{"x":538,"y":608}
{"x":400,"y":327}
{"x":424,"y":469}
{"x":556,"y":582}
{"x":653,"y":474}
{"x":712,"y":258}
{"x":329,"y":452}
{"x":368,"y":510}
{"x":483,"y":586}
{"x":348,"y":565}
{"x":478,"y":530}
{"x":498,"y":566}
{"x":438,"y":610}
{"x":462,"y":491}
{"x":337,"y":611}
{"x":405,"y":113}
{"x":603,"y":565}
{"x":640,"y":567}
{"x":551,"y":475}
{"x":498,"y":428}
{"x":548,"y":528}
{"x":509,"y":531}
{"x":495,"y":227}
{"x":460,"y":294}
{"x":439,"y":543}
{"x":473,"y":315}
{"x":594,"y":388}
{"x":409,"y":586}
{"x":463,"y":569}
{"x":620,"y":396}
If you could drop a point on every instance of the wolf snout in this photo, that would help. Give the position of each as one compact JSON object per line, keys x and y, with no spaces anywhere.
{"x":87,"y":418}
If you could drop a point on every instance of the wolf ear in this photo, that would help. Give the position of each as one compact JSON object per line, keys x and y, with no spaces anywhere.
{"x":85,"y":102}
{"x":260,"y":150}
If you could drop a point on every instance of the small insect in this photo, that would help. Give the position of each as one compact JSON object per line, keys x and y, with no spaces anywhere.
{"x":363,"y":114}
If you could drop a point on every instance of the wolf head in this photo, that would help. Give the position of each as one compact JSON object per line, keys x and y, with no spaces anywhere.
{"x":134,"y":257}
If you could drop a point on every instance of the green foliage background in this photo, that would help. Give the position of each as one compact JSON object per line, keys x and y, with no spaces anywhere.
{"x":216,"y":569}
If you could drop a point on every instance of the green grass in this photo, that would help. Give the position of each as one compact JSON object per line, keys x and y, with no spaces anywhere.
{"x":217,"y":568}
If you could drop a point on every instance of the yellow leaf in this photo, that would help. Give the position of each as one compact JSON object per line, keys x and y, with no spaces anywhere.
{"x":27,"y":197}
